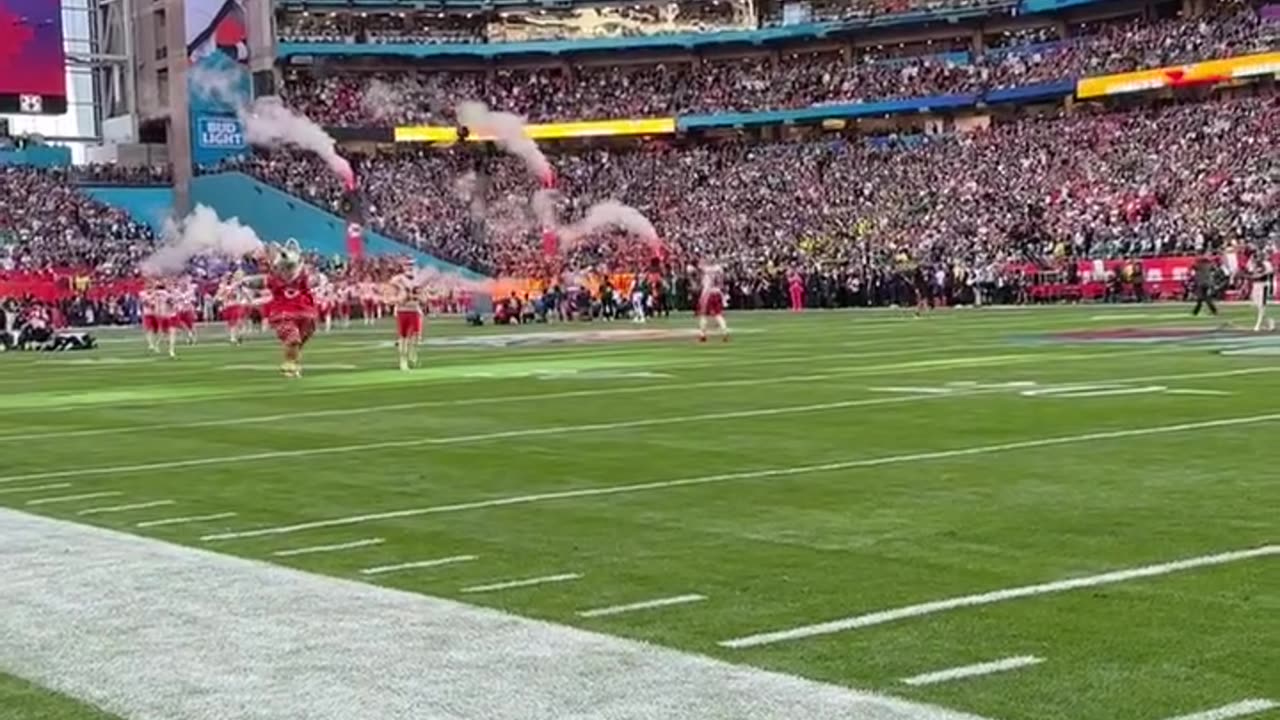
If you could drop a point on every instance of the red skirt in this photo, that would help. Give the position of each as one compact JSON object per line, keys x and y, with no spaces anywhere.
{"x":408,"y":323}
{"x":712,"y":304}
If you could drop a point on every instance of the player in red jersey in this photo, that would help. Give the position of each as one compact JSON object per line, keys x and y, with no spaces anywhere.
{"x":184,"y":315}
{"x":711,"y":302}
{"x":370,"y":300}
{"x":405,"y":292}
{"x":158,"y":316}
{"x":234,"y":300}
{"x":291,"y":311}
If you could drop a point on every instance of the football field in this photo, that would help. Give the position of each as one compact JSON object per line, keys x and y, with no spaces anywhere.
{"x":1027,"y":514}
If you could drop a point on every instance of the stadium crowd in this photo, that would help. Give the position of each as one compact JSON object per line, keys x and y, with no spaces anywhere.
{"x":1182,"y":179}
{"x":47,"y":223}
{"x":759,"y":83}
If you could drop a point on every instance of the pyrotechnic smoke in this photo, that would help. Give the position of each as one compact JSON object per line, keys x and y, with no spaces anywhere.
{"x":268,"y":123}
{"x":607,"y":214}
{"x":438,"y":279}
{"x":200,"y":233}
{"x":509,"y":133}
{"x":383,"y":100}
{"x":546,"y":208}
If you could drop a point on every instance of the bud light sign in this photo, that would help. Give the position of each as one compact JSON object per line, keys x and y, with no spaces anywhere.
{"x":220,"y":133}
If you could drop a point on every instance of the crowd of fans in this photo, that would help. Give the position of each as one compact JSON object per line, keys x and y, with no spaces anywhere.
{"x":46,"y":222}
{"x":1182,"y":179}
{"x":762,"y":83}
{"x":828,"y":10}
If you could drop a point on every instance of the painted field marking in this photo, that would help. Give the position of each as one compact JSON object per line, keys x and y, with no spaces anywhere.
{"x":74,"y":498}
{"x":126,"y":508}
{"x":645,"y":605}
{"x":384,"y":569}
{"x":526,"y":582}
{"x":144,"y":603}
{"x":890,"y":369}
{"x":997,"y":596}
{"x":328,"y":548}
{"x":35,"y":488}
{"x":1194,"y":391}
{"x":484,"y":437}
{"x":746,"y":475}
{"x":461,"y":439}
{"x":185,"y":520}
{"x":1234,"y":710}
{"x":975,"y":670}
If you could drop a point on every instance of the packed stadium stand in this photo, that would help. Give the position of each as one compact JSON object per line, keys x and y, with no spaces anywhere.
{"x":796,"y":79}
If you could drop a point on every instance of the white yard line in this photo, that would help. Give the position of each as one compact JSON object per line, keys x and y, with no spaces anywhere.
{"x":505,"y":435}
{"x":975,"y":670}
{"x":418,"y":564}
{"x":889,"y":369}
{"x":645,"y":605}
{"x":749,"y":475}
{"x":525,"y":582}
{"x":142,"y":603}
{"x":997,"y":596}
{"x":1195,"y":391}
{"x":126,"y":508}
{"x":328,"y":548}
{"x":185,"y":520}
{"x":74,"y":498}
{"x":1243,"y":708}
{"x":35,"y":488}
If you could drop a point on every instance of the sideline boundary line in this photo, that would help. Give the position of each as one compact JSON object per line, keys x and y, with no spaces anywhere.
{"x":997,"y":596}
{"x":749,"y":475}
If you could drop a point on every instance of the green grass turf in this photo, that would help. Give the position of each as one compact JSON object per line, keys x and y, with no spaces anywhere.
{"x":771,"y":552}
{"x":20,"y":700}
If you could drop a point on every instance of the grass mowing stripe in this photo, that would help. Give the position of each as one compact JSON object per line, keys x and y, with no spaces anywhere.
{"x":913,"y":611}
{"x":975,"y":670}
{"x":452,"y":440}
{"x":747,"y":475}
{"x":867,"y":370}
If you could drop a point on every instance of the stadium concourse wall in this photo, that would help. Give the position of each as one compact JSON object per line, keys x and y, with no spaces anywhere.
{"x":151,"y":206}
{"x":277,"y":216}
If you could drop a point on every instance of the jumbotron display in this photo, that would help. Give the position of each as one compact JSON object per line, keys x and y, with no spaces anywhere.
{"x":33,"y":77}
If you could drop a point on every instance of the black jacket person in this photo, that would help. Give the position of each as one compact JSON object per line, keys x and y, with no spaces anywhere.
{"x":1204,"y":284}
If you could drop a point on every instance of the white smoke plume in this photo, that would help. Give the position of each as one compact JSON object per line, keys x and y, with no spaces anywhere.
{"x":439,"y":280}
{"x":546,"y":208}
{"x":200,"y":233}
{"x":509,"y":133}
{"x":268,"y":123}
{"x":610,"y":214}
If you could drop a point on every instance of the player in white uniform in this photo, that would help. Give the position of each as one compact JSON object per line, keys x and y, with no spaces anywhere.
{"x":405,"y":291}
{"x":711,"y":302}
{"x":1261,"y":274}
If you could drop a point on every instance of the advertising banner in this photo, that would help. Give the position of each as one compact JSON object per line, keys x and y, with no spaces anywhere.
{"x":1204,"y":73}
{"x":549,"y":131}
{"x":216,"y":41}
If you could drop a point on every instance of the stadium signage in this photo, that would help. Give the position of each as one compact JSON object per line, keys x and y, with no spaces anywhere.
{"x":548,"y":131}
{"x":220,"y":132}
{"x":1211,"y":71}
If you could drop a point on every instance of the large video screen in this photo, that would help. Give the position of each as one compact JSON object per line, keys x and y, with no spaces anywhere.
{"x":33,"y":66}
